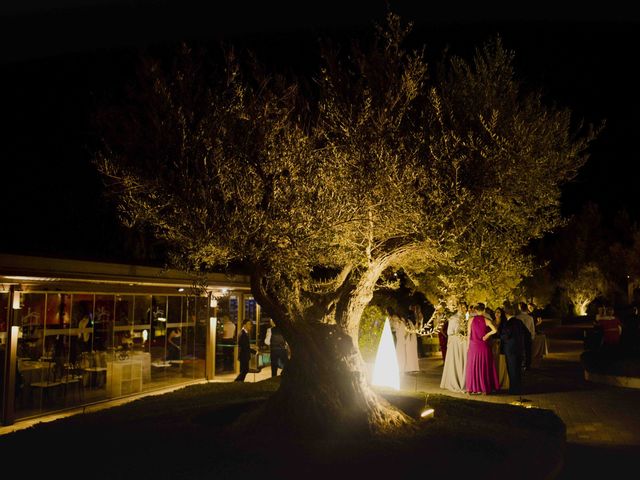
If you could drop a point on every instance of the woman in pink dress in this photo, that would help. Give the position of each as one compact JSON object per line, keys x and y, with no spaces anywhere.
{"x":482,"y":376}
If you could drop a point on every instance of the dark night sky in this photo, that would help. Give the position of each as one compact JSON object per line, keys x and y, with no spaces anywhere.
{"x":58,"y":58}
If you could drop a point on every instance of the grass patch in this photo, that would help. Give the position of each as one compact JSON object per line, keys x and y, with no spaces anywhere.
{"x":185,"y":434}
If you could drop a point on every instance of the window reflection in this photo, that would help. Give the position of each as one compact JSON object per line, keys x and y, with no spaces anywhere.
{"x":103,"y":322}
{"x":30,"y":319}
{"x":4,"y":315}
{"x":80,"y":347}
{"x":226,"y":334}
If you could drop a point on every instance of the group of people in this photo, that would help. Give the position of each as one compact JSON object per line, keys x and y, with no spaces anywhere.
{"x":475,"y":341}
{"x":274,"y":339}
{"x":406,"y":340}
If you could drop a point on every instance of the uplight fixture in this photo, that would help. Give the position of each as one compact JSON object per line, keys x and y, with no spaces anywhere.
{"x":427,"y":411}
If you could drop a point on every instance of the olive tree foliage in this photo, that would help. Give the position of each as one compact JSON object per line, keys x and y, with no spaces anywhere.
{"x":319,"y":192}
{"x":511,"y":154}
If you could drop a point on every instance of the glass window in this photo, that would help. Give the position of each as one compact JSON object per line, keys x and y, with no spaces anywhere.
{"x":196,"y":350}
{"x":233,"y":312}
{"x":251,"y":313}
{"x":158,"y":338}
{"x":30,"y":318}
{"x":125,"y":336}
{"x":174,"y":310}
{"x":124,"y":310}
{"x":103,"y":322}
{"x":58,"y":310}
{"x":82,"y":324}
{"x":158,"y":317}
{"x":4,"y":315}
{"x":225,"y":337}
{"x":4,"y":311}
{"x":79,"y":343}
{"x":142,"y":311}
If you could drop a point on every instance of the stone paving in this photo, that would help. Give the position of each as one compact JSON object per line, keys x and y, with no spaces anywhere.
{"x":602,"y":421}
{"x":593,"y":413}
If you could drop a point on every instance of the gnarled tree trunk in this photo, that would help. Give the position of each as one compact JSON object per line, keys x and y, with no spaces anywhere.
{"x":325,"y":391}
{"x":324,"y":388}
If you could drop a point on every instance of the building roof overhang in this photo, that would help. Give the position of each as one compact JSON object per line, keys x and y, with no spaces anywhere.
{"x":42,"y":271}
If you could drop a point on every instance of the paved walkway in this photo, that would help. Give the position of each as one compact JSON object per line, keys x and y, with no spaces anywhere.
{"x":602,"y":421}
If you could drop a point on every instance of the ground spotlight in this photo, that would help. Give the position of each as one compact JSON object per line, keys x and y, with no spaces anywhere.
{"x":427,"y":411}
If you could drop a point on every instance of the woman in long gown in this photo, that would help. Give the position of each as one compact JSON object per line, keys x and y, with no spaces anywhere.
{"x":481,"y":376}
{"x":454,"y":371}
{"x":411,"y":363}
{"x":406,"y":344}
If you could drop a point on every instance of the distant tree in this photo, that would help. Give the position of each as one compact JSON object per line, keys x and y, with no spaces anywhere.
{"x":584,"y":287}
{"x":586,"y":242}
{"x":320,"y":194}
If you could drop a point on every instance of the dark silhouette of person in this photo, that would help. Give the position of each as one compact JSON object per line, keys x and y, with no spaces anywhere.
{"x":630,"y":339}
{"x":244,"y":350}
{"x":513,"y":334}
{"x":528,"y":321}
{"x":173,"y":345}
{"x":277,"y":348}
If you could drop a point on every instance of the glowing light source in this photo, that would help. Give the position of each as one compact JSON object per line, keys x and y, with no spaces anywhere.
{"x":214,"y":302}
{"x":145,"y":336}
{"x":385,"y":371}
{"x":523,"y":403}
{"x":16,"y":300}
{"x":427,"y":412}
{"x":181,"y":289}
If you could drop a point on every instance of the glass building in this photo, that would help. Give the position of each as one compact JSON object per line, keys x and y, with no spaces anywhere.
{"x":74,"y":333}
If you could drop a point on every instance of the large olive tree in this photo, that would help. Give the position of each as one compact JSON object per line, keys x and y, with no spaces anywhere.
{"x":376,"y":165}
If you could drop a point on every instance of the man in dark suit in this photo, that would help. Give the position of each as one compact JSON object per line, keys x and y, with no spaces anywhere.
{"x":513,"y":335}
{"x":244,"y":350}
{"x":278,"y":348}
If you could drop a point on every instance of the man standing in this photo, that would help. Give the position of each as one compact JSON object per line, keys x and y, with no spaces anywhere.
{"x":512,"y":336}
{"x":441,"y":323}
{"x":528,"y":322}
{"x":278,"y":348}
{"x":536,"y":314}
{"x":244,"y":350}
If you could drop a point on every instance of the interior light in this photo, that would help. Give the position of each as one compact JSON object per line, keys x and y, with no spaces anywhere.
{"x":16,"y":300}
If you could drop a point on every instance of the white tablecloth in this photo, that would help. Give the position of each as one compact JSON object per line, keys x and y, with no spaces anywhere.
{"x":539,"y":349}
